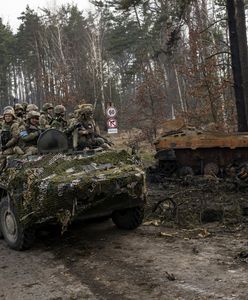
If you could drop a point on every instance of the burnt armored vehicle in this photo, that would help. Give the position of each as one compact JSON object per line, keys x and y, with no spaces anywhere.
{"x":192,"y":151}
{"x":61,"y":185}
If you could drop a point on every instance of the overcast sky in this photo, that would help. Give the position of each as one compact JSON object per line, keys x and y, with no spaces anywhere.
{"x":10,"y":10}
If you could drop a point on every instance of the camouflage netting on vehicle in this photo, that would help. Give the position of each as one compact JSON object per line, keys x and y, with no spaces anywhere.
{"x":59,"y":185}
{"x":195,"y":200}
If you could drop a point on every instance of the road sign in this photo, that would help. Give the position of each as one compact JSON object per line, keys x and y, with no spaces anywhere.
{"x":112,"y":130}
{"x":111,"y":112}
{"x":112,"y":123}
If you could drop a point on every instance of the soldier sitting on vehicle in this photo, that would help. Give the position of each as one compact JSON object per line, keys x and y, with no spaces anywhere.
{"x":59,"y":122}
{"x":86,"y":129}
{"x":71,"y":119}
{"x":10,"y":134}
{"x":29,"y":134}
{"x":24,"y":105}
{"x":46,"y":116}
{"x":19,"y":112}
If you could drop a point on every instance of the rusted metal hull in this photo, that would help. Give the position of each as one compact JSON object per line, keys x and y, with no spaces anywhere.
{"x":198,"y":150}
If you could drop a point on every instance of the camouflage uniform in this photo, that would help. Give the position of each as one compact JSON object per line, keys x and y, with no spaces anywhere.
{"x":71,"y":118}
{"x":87,"y":129}
{"x":45,"y":118}
{"x":10,"y":135}
{"x":24,"y":105}
{"x":59,"y":122}
{"x":29,"y":134}
{"x":19,"y":112}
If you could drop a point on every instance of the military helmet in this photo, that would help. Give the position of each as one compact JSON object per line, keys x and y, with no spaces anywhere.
{"x":18,"y":106}
{"x":9,"y":112}
{"x":59,"y":109}
{"x":33,"y":114}
{"x":46,"y":106}
{"x":8,"y":107}
{"x":85,"y":108}
{"x":32,"y":107}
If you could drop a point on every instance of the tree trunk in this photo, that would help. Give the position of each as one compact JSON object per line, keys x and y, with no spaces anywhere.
{"x":238,"y":43}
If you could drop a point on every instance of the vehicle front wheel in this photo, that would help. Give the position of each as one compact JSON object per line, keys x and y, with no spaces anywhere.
{"x":129,"y":218}
{"x":15,"y":235}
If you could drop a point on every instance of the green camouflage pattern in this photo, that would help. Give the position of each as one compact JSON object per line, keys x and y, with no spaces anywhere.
{"x":64,"y":186}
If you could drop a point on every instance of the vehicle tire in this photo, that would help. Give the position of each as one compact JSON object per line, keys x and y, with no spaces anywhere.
{"x":129,"y":218}
{"x":14,"y":234}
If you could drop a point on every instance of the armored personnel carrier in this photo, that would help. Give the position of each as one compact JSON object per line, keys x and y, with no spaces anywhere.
{"x":60,"y":185}
{"x":191,"y":151}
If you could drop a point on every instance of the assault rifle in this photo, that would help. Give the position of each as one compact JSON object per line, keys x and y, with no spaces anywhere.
{"x":105,"y":140}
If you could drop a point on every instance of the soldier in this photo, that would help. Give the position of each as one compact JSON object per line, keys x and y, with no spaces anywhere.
{"x":46,"y":117}
{"x":18,"y":108}
{"x":10,"y":134}
{"x":71,"y":119}
{"x":19,"y":112}
{"x":29,"y":134}
{"x":87,"y":131}
{"x":24,"y":105}
{"x":59,"y":122}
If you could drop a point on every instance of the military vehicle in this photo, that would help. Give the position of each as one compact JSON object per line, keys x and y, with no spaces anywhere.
{"x":188,"y":150}
{"x":60,"y":184}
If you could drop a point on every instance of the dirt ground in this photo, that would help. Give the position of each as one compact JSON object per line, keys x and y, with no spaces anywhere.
{"x":98,"y":261}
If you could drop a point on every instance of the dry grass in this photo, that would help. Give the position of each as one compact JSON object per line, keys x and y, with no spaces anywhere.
{"x":134,"y":138}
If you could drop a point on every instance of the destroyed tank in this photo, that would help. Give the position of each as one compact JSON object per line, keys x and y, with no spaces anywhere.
{"x":61,"y":185}
{"x":189,"y":151}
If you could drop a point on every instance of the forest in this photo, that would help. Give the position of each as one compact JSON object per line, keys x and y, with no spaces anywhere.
{"x":155,"y":60}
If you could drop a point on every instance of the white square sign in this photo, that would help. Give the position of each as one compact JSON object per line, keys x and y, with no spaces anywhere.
{"x":112,"y":130}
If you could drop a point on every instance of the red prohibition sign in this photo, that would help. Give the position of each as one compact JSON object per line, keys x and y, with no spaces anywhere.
{"x":112,"y":123}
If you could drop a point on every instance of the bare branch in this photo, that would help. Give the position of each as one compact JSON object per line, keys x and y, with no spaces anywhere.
{"x":217,"y":21}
